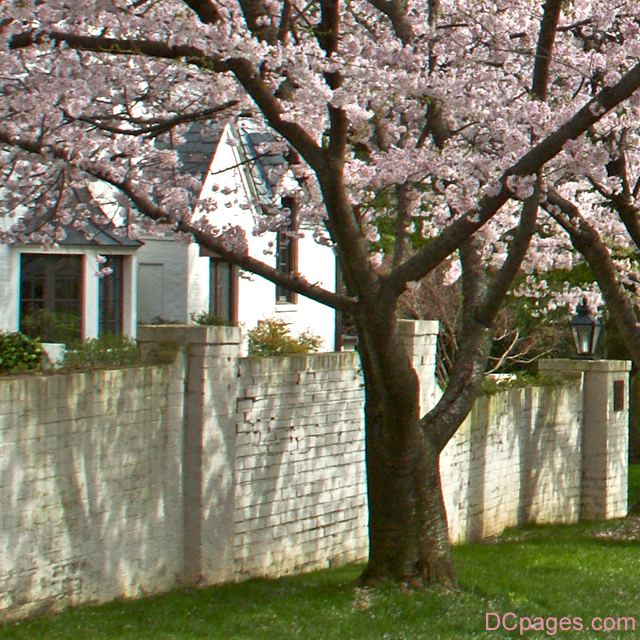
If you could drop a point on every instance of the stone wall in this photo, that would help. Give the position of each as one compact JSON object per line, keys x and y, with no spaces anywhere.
{"x":206,"y":467}
{"x":605,"y":433}
{"x":90,"y":476}
{"x":300,"y":479}
{"x":516,"y":459}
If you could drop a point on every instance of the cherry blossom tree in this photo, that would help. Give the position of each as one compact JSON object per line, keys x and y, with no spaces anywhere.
{"x":602,"y":223}
{"x":450,"y":115}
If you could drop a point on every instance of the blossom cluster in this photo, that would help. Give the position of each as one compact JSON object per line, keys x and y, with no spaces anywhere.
{"x":87,"y":91}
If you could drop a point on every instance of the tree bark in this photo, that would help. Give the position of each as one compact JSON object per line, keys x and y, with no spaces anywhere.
{"x":435,"y":564}
{"x":408,"y":529}
{"x":408,"y":533}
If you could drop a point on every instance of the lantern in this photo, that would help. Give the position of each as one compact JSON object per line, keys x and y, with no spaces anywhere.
{"x":585,"y":331}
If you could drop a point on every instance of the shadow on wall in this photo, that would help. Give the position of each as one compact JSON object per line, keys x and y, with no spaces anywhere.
{"x":516,"y":459}
{"x":634,"y":417}
{"x":551,"y":457}
{"x":91,"y":484}
{"x":300,"y":483}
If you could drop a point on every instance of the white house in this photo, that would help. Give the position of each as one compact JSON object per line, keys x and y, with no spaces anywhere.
{"x":58,"y":294}
{"x":177,"y":280}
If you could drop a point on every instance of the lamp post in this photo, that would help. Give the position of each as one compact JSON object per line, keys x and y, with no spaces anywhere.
{"x":585,"y":331}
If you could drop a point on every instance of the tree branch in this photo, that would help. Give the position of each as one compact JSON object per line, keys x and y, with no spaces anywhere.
{"x":587,"y":242}
{"x":255,"y":11}
{"x":116,"y":46}
{"x":218,"y":245}
{"x":243,"y":70}
{"x":544,"y":55}
{"x":480,"y":307}
{"x":158,"y":128}
{"x":327,"y":32}
{"x":468,"y":223}
{"x":395,"y":10}
{"x":465,"y":376}
{"x":402,"y":218}
{"x":623,"y":202}
{"x":517,"y":250}
{"x":206,"y":10}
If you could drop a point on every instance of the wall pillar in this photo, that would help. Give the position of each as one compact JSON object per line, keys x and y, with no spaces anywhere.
{"x":420,"y":338}
{"x":209,"y":476}
{"x":605,"y":433}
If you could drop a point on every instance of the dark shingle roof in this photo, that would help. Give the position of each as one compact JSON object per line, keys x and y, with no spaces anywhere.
{"x":201,"y":143}
{"x":198,"y":149}
{"x":100,"y":231}
{"x":265,"y":167}
{"x":95,"y":234}
{"x":92,"y":234}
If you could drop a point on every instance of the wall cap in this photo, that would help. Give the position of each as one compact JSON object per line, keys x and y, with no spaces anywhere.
{"x":418,"y":327}
{"x":188,"y":334}
{"x":599,"y":366}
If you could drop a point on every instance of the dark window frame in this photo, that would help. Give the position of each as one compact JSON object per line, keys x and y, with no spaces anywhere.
{"x":287,"y":253}
{"x":222,"y":273}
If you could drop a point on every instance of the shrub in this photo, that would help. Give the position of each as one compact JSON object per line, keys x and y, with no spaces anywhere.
{"x":50,"y":326}
{"x":19,"y":353}
{"x":496,"y":383}
{"x":210,"y":319}
{"x":106,"y":351}
{"x":272,"y":337}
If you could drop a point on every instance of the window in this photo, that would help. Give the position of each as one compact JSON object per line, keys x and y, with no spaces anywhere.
{"x":110,"y":297}
{"x":51,"y":296}
{"x":287,"y":255}
{"x":618,"y":395}
{"x":223,"y":290}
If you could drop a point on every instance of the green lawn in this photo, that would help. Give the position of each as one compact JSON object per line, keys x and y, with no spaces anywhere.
{"x":581,"y":571}
{"x":634,"y":484}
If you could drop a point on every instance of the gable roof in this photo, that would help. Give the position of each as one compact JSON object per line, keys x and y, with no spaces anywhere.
{"x":94,"y":232}
{"x":262,"y":167}
{"x":201,"y":144}
{"x":197,"y":151}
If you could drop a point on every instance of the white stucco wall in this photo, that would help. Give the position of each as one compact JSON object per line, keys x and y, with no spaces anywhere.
{"x":164,"y":267}
{"x":9,"y":284}
{"x":257,"y":296}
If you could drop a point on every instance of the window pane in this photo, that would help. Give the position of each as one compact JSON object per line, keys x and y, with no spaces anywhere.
{"x":50,"y":297}
{"x":287,"y":251}
{"x":221,"y":290}
{"x":286,"y":263}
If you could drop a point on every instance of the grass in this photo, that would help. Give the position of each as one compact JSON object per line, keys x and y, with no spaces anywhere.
{"x":634,"y":484}
{"x":578,"y":571}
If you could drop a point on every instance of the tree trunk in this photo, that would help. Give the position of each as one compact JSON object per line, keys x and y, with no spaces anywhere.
{"x":408,"y":531}
{"x":435,"y":563}
{"x":408,"y":534}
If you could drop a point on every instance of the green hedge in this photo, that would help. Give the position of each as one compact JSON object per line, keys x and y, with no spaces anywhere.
{"x":106,"y":351}
{"x":19,"y":353}
{"x":272,"y":337}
